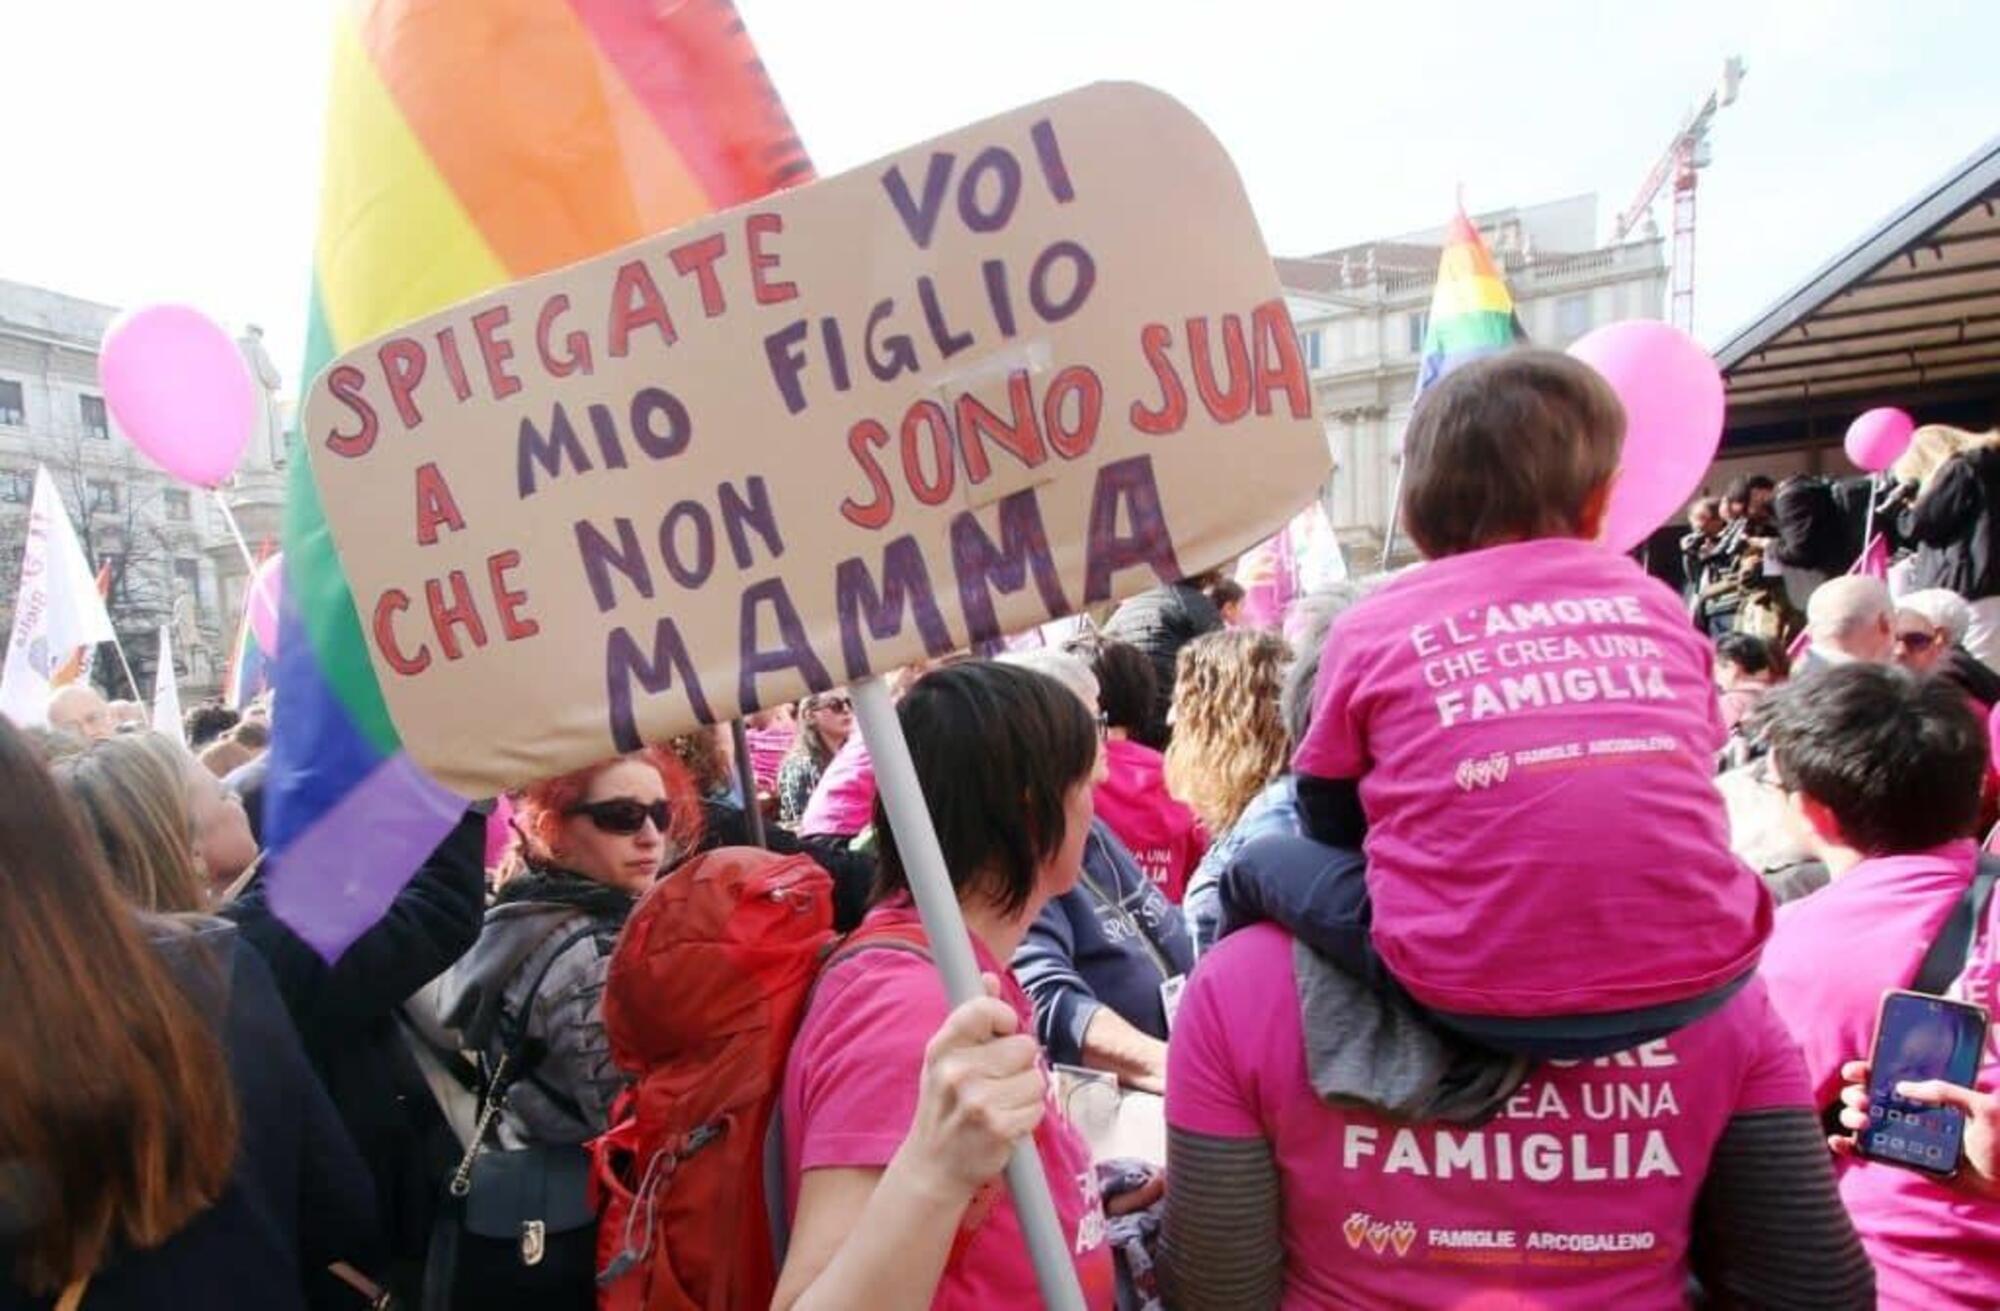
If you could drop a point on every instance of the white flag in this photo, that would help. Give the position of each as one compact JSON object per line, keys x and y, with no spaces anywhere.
{"x":56,"y":610}
{"x":167,"y":695}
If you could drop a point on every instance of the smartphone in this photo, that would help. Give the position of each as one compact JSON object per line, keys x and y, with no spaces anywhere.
{"x":1919,"y":1037}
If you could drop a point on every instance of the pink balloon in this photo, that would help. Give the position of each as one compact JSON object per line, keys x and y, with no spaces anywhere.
{"x":267,"y":587}
{"x":1672,"y":393}
{"x":1878,"y":438}
{"x":180,"y":390}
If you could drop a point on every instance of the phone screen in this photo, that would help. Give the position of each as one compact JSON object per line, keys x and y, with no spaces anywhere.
{"x":1919,"y":1038}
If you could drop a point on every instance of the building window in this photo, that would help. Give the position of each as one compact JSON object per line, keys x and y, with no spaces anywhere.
{"x":1309,"y":346}
{"x":102,"y":497}
{"x":1420,"y":324}
{"x":17,"y":486}
{"x":12,"y":411}
{"x":95,"y":424}
{"x":1572,"y":317}
{"x":187,"y":579}
{"x":178,"y":507}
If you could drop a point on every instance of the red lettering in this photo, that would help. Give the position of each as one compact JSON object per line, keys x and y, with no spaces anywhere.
{"x":1155,"y":339}
{"x":575,"y":342}
{"x":435,"y":505}
{"x":931,"y":415}
{"x":768,"y":293}
{"x":1223,"y":406}
{"x":454,"y":366}
{"x":346,"y":383}
{"x":1287,"y":371}
{"x":636,"y":302}
{"x":861,"y":438}
{"x":698,"y":258}
{"x":977,"y":425}
{"x":461,"y":613}
{"x":402,"y":362}
{"x":513,"y":626}
{"x":392,"y":603}
{"x":495,"y":350}
{"x":1073,"y":441}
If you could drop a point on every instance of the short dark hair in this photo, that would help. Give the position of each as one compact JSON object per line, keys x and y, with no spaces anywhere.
{"x":1752,"y":654}
{"x":1741,"y":487}
{"x":998,"y":750}
{"x":252,"y":733}
{"x":1125,"y":680}
{"x":1224,"y":591}
{"x":1508,"y":448}
{"x":207,"y":722}
{"x":1898,"y":759}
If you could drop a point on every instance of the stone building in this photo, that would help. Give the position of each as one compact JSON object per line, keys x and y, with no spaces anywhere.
{"x":1361,"y":312}
{"x":172,"y":559}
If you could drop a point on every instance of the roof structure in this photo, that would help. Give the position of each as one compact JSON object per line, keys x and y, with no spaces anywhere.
{"x":1909,"y":315}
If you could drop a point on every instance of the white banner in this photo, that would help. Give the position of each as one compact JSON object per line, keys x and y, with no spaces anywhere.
{"x":56,"y":609}
{"x":167,"y":694}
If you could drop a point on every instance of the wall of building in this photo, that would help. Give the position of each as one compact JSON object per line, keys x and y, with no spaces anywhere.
{"x":174,"y":560}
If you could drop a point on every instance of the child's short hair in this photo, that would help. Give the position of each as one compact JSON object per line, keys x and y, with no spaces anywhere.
{"x":1506,"y":449}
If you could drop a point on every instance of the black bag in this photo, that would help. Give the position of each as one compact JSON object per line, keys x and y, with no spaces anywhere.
{"x":516,"y":1228}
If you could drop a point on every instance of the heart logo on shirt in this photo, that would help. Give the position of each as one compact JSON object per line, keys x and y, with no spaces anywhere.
{"x":1485,"y":773}
{"x":1356,"y":1229}
{"x":1402,"y":1234}
{"x":1378,"y":1235}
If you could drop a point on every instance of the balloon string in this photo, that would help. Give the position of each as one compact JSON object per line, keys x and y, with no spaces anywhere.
{"x":229,"y":517}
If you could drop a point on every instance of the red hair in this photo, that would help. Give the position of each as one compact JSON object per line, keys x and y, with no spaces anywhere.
{"x":543,"y":805}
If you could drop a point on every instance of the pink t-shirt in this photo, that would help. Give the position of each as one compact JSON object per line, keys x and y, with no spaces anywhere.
{"x":1163,"y":835}
{"x":1534,"y":728}
{"x":844,"y":802}
{"x":1831,"y":958}
{"x":1579,"y":1194}
{"x":850,"y":1096}
{"x":767,"y":752}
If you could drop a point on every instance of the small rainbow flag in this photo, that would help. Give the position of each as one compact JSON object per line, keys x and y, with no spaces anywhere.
{"x":1472,"y":312}
{"x":471,"y":143}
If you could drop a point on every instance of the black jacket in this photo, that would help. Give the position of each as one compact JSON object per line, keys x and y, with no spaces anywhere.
{"x":1160,"y":623}
{"x":299,"y":1199}
{"x":1820,"y":523}
{"x":346,"y":1017}
{"x":725,"y":825}
{"x":1953,"y":526}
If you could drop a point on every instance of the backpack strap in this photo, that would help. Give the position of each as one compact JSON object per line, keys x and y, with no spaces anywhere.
{"x":1945,"y":961}
{"x":900,"y":937}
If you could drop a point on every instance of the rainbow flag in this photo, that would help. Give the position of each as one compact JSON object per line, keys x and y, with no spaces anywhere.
{"x":471,"y":143}
{"x":1472,"y":312}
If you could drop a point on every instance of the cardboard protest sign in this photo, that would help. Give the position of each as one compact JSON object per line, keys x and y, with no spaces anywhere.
{"x":1034,"y":365}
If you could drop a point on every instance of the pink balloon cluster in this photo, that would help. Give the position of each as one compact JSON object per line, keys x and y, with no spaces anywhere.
{"x":1878,"y":438}
{"x":178,"y":387}
{"x":1672,"y":393}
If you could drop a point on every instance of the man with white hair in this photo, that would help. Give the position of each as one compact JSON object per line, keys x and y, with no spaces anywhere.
{"x":1930,"y":639}
{"x":1851,"y":619}
{"x":80,"y":709}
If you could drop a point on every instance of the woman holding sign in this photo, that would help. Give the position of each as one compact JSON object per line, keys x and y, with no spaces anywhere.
{"x":894,"y":1139}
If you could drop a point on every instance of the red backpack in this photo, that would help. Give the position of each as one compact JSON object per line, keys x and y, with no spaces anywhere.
{"x":706,"y":991}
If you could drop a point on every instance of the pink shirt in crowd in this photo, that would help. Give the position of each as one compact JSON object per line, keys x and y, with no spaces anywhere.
{"x":767,"y":752}
{"x":1534,"y":728}
{"x":1830,"y":959}
{"x":844,"y":802}
{"x":1163,"y":835}
{"x":1579,"y":1194}
{"x":850,"y":1096}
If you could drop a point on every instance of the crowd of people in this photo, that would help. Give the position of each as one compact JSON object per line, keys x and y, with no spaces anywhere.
{"x":1515,"y":930}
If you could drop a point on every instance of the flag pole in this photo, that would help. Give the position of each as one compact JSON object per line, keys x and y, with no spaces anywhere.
{"x":229,"y":517}
{"x":746,"y":778}
{"x":126,"y":665}
{"x":1395,"y":507}
{"x":937,"y":905}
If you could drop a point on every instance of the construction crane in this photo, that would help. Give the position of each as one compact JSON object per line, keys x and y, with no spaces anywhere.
{"x":1686,"y":155}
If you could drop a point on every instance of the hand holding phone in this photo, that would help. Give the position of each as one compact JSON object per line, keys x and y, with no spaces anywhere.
{"x":1913,"y":1100}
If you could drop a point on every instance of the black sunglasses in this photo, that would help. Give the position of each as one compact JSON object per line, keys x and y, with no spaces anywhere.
{"x":839,"y":705}
{"x":1916,"y":641}
{"x":623,"y":816}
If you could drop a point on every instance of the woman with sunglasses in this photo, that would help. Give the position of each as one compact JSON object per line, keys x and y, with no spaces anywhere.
{"x":589,"y":844}
{"x":826,"y":721}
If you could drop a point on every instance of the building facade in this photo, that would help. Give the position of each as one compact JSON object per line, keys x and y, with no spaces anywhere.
{"x":171,"y":558}
{"x":1361,"y":312}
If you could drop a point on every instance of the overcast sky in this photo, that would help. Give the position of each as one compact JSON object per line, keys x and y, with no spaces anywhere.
{"x":171,"y":151}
